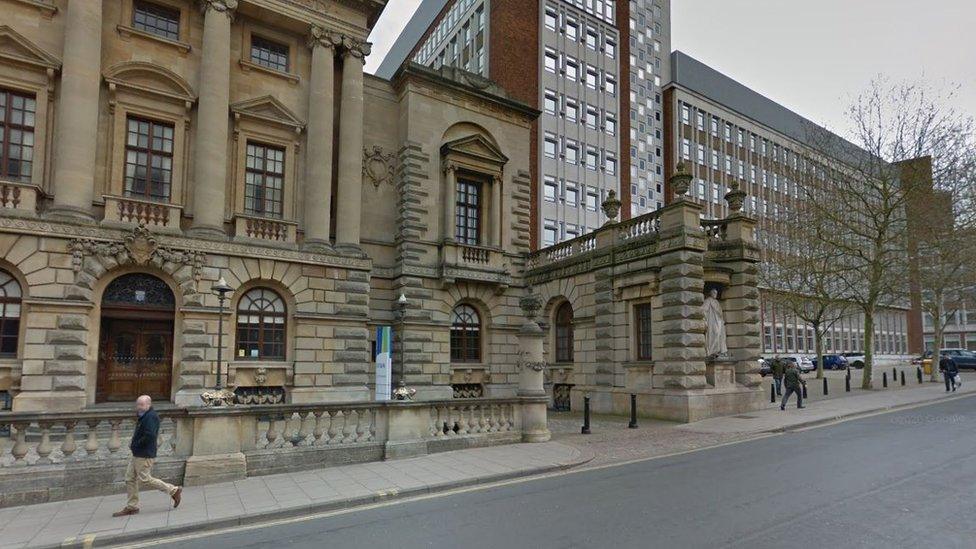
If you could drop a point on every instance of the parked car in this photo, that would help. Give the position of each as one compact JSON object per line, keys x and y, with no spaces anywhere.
{"x":832,"y":362}
{"x":804,"y":363}
{"x":856,"y":360}
{"x":962,"y":358}
{"x":764,"y":367}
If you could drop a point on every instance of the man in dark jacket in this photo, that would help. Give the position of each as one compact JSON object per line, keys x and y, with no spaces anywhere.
{"x":794,"y":383}
{"x":949,"y":372}
{"x":778,"y":368}
{"x":143,"y":448}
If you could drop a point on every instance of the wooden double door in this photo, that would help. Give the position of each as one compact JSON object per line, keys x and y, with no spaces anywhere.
{"x":135,"y":358}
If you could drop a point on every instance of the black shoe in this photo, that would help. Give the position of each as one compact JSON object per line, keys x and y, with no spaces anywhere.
{"x":799,"y":407}
{"x":782,"y":408}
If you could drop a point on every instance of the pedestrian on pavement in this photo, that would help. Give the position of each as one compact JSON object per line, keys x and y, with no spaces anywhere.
{"x":794,"y":384}
{"x":778,"y":367}
{"x":950,"y":373}
{"x":143,"y":448}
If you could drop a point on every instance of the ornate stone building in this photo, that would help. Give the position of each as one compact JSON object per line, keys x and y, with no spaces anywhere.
{"x":151,"y":148}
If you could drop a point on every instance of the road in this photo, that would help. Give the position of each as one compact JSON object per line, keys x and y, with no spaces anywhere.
{"x":903,"y":479}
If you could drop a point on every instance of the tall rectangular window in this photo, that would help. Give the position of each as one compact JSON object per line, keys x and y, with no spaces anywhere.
{"x":264,"y":180}
{"x":468,"y":212}
{"x":148,"y":159}
{"x":16,"y":135}
{"x":642,"y":317}
{"x":269,"y":54}
{"x":155,"y":19}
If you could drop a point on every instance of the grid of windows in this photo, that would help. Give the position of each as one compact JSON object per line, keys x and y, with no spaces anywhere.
{"x":465,"y":334}
{"x":468,"y":212}
{"x":642,"y":324}
{"x":16,"y":135}
{"x":268,"y":53}
{"x":148,"y":159}
{"x":155,"y":19}
{"x":264,"y":180}
{"x":459,"y":39}
{"x":261,"y":326}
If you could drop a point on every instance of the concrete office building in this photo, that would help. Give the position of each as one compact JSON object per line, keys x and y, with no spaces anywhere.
{"x":728,"y":134}
{"x":595,"y":69}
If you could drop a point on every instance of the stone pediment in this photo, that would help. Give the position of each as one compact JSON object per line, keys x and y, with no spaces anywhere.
{"x":143,"y":77}
{"x":268,"y":109}
{"x":477,"y":147}
{"x":15,"y":47}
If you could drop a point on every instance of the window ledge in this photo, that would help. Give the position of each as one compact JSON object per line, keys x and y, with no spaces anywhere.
{"x":43,"y":6}
{"x":126,"y":31}
{"x":639,"y":364}
{"x":249,"y":66}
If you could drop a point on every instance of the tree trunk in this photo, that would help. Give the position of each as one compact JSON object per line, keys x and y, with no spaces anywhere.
{"x":818,"y":346}
{"x":866,"y":382}
{"x":938,"y":323}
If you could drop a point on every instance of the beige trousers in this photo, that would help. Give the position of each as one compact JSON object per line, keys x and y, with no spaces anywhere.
{"x":140,"y":472}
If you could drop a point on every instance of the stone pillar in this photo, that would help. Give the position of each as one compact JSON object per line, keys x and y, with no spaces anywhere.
{"x":348,"y":222}
{"x":450,"y":200}
{"x":535,"y":426}
{"x":77,"y":112}
{"x":680,"y":361}
{"x":741,"y":299}
{"x":321,"y":118}
{"x":495,"y":225}
{"x":210,"y":149}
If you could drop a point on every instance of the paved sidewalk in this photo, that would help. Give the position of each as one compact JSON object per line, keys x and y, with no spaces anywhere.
{"x":87,"y":522}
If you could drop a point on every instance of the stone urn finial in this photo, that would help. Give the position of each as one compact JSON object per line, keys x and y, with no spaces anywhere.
{"x":681,"y":180}
{"x":611,"y":207}
{"x":735,"y":198}
{"x":530,"y":304}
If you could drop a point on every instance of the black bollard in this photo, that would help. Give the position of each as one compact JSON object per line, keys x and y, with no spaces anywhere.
{"x":884,"y":379}
{"x":918,"y":373}
{"x":903,"y":378}
{"x":586,"y":416}
{"x":633,"y":412}
{"x":805,"y":392}
{"x":825,"y":386}
{"x":847,"y":384}
{"x":772,"y":393}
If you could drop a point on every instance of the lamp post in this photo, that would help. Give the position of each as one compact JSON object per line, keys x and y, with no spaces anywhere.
{"x":219,"y":396}
{"x":402,"y":392}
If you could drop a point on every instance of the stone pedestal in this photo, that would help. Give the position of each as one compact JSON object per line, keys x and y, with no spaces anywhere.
{"x":535,"y":422}
{"x":216,"y":446}
{"x":407,"y":429}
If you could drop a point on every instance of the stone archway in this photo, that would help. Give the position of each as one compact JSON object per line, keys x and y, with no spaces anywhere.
{"x":135,"y":353}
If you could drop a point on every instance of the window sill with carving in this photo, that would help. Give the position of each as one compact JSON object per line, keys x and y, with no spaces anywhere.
{"x":248,"y":66}
{"x":126,"y":32}
{"x":477,"y":263}
{"x":126,"y":211}
{"x":265,"y":229}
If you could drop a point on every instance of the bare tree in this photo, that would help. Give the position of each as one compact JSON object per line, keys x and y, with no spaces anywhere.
{"x":864,"y":194}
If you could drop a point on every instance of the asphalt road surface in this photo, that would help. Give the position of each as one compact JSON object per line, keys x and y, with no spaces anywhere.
{"x":904,"y":479}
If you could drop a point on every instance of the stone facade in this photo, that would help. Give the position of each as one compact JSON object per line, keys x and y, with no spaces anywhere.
{"x":366,"y":209}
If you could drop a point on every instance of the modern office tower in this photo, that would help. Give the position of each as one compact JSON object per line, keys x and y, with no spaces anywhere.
{"x":593,"y":67}
{"x":725,"y":133}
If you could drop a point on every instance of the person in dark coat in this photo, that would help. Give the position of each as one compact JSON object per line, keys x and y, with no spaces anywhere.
{"x":143,"y":447}
{"x":794,"y":384}
{"x":778,"y":369}
{"x":949,"y":372}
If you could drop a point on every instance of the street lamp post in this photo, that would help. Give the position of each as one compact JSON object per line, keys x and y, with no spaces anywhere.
{"x":219,"y":396}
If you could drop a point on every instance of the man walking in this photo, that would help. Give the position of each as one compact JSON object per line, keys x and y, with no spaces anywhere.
{"x":778,"y":367}
{"x":143,"y":448}
{"x":794,"y":384}
{"x":949,"y":372}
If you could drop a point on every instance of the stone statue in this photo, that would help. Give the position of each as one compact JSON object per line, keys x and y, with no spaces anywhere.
{"x":714,"y":325}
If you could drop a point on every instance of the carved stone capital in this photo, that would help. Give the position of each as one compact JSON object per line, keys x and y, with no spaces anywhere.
{"x":353,"y":47}
{"x":321,"y":37}
{"x":227,"y":7}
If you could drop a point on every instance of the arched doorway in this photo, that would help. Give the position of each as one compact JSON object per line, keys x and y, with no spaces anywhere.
{"x":135,"y":355}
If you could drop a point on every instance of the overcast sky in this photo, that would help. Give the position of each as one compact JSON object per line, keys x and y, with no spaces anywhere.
{"x":812,"y":57}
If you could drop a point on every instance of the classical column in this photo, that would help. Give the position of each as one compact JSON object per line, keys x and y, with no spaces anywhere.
{"x":351,"y":146}
{"x":531,"y":386}
{"x":77,"y":112}
{"x":495,"y":225}
{"x":210,"y":151}
{"x":321,"y":118}
{"x":450,"y":200}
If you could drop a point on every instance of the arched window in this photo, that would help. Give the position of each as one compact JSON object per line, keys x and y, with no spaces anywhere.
{"x":261,"y":325}
{"x":9,"y":314}
{"x":564,"y":333}
{"x":465,"y":335}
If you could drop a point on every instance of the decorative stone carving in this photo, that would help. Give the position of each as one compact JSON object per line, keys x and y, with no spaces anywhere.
{"x":530,"y":304}
{"x":218,"y":398}
{"x":715,"y":343}
{"x":322,"y":37}
{"x":222,"y":6}
{"x":735,"y":198}
{"x":611,"y":207}
{"x":402,"y":392}
{"x":378,"y":167}
{"x":681,"y":180}
{"x":261,"y":376}
{"x":354,"y":47}
{"x":534,"y":365}
{"x":141,"y":244}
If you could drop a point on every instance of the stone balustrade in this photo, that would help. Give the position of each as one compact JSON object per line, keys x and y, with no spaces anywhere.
{"x":18,"y":198}
{"x":50,"y":455}
{"x":265,"y":228}
{"x":634,"y":229}
{"x":714,"y":229}
{"x":466,"y":262}
{"x":124,"y":210}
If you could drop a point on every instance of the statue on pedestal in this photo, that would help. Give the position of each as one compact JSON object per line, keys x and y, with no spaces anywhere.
{"x":715,"y":344}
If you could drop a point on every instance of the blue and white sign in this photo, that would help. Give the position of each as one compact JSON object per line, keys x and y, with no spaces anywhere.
{"x":384,"y":362}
